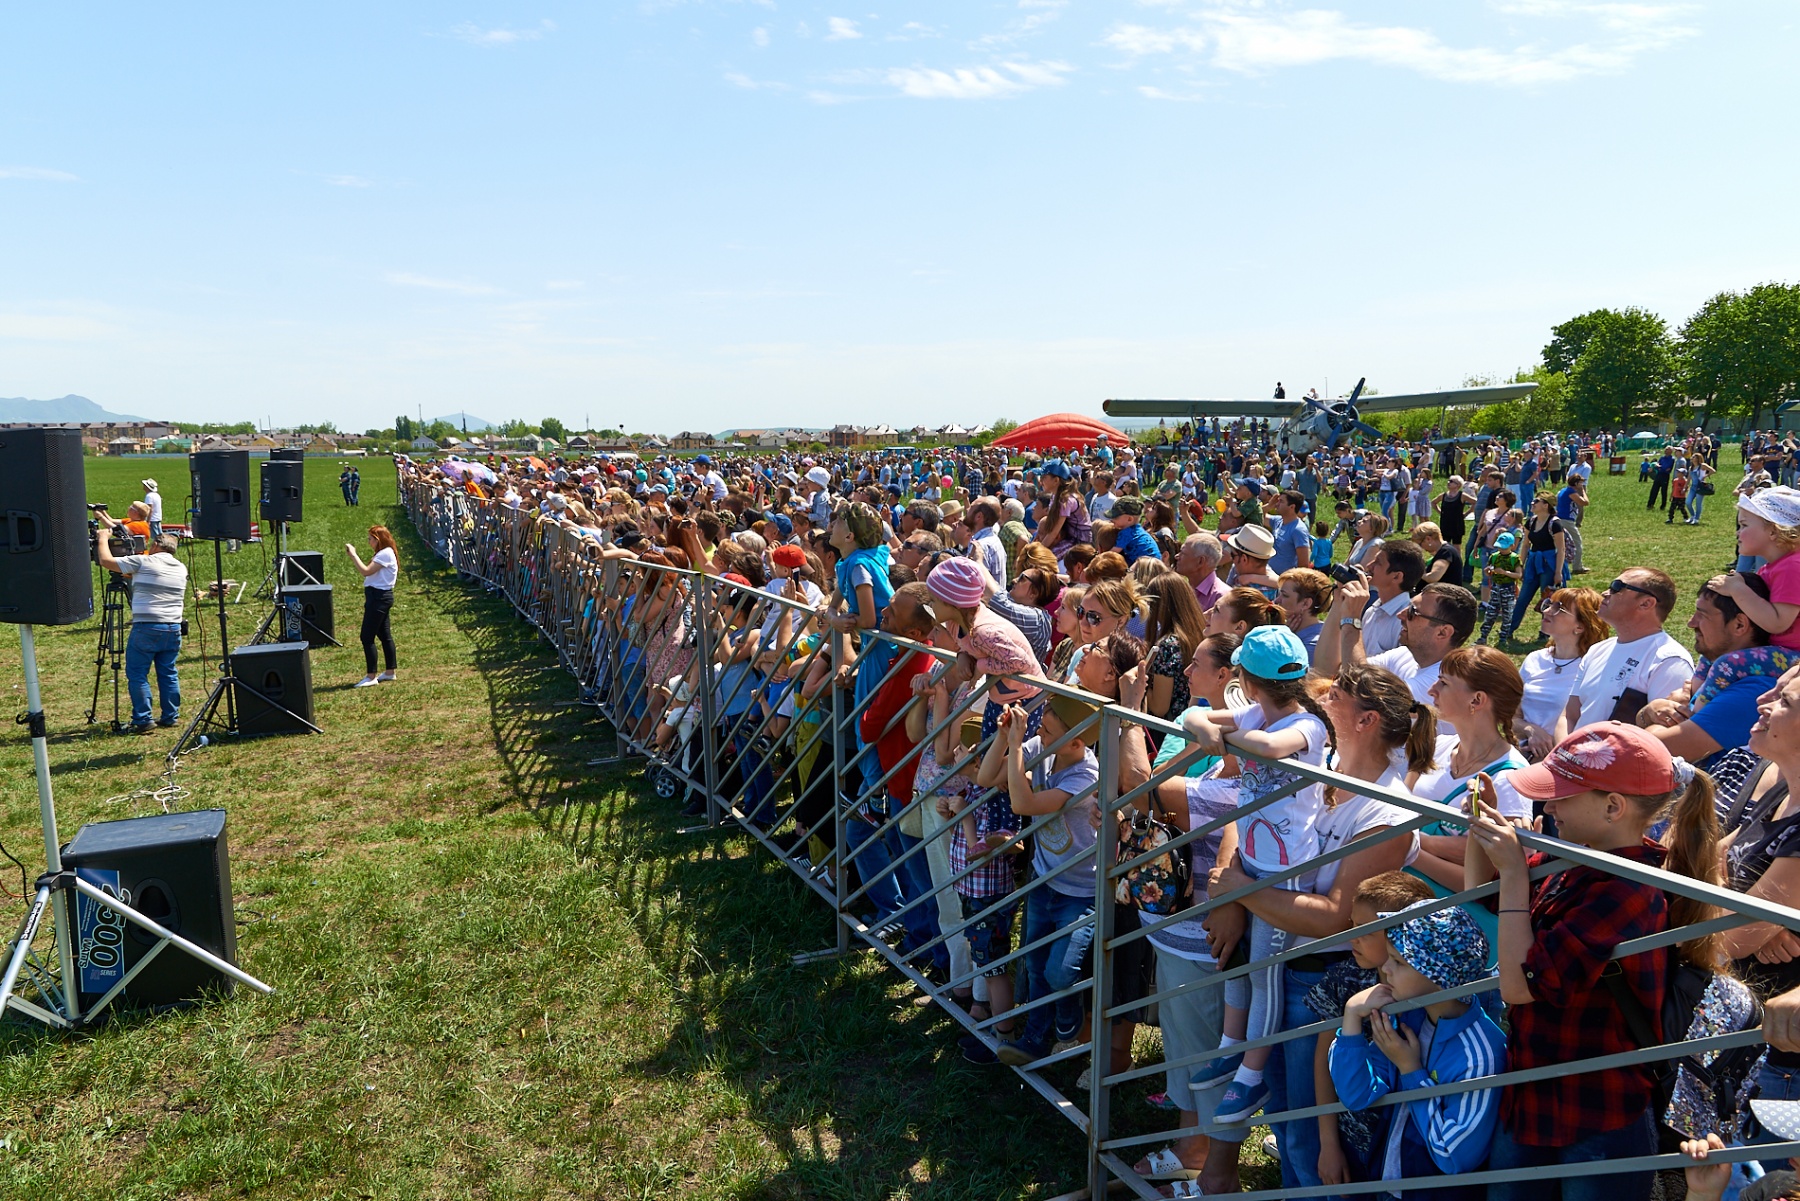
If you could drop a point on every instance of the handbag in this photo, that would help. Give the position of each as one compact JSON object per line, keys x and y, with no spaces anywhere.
{"x":1160,"y":885}
{"x":1705,"y":488}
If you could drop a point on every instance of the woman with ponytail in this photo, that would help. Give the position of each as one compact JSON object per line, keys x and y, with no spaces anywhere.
{"x":1242,"y":610}
{"x":1605,"y":786}
{"x":1477,"y":694}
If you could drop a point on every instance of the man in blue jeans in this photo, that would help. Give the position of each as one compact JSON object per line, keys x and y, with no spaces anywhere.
{"x":159,"y":584}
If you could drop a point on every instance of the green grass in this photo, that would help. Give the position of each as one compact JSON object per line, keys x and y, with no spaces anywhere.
{"x":499,"y":974}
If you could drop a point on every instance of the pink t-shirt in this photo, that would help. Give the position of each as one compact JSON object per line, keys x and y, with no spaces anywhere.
{"x":1783,"y":578}
{"x":999,"y":646}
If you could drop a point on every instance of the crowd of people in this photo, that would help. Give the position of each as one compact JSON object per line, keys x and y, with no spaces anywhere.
{"x":1263,"y":611}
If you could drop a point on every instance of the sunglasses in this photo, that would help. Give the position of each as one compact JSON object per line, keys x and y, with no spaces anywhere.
{"x":1412,"y":611}
{"x":1091,"y":617}
{"x":1618,"y":586}
{"x":1551,"y":608}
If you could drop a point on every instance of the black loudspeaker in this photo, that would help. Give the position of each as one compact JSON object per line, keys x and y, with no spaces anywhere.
{"x":278,"y":672}
{"x":45,"y":577}
{"x":283,"y":483}
{"x":288,"y":454}
{"x":221,"y":490}
{"x":306,"y":614}
{"x":302,"y":567}
{"x":175,"y":870}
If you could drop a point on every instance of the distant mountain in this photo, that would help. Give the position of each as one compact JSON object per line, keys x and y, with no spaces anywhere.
{"x":476,"y":425}
{"x":64,"y":408}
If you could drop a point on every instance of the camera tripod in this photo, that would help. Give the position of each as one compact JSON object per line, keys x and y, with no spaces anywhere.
{"x":115,"y":628}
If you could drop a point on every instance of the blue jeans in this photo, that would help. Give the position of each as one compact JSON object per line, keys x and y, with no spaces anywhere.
{"x":1045,"y":972}
{"x":1696,"y":502}
{"x":155,"y":532}
{"x":153,"y":643}
{"x":1775,"y":1083}
{"x":915,"y":883}
{"x":1526,"y":493}
{"x":873,"y":856}
{"x":1637,"y":1138}
{"x":1539,"y":573}
{"x":1289,"y":1075}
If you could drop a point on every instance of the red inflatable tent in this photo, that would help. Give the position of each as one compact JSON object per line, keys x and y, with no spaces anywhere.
{"x":1065,"y":431}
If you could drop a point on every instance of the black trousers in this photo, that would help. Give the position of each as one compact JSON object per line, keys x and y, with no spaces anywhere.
{"x":1659,"y":487}
{"x":378,"y":603}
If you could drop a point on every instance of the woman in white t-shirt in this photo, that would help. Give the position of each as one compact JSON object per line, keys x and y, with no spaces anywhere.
{"x":1572,"y":619}
{"x":379,"y":575}
{"x":1477,"y":693}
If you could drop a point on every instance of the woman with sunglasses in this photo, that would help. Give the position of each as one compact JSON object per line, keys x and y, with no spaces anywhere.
{"x":1543,"y":562}
{"x":1104,"y":610}
{"x":1572,"y":619}
{"x":1369,"y":529}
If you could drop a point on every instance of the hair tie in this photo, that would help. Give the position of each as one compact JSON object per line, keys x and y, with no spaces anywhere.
{"x":1683,"y":772}
{"x":1416,"y":708}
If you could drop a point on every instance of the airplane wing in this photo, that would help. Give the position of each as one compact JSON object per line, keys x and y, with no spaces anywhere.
{"x":1437,"y":400}
{"x":1178,"y":410}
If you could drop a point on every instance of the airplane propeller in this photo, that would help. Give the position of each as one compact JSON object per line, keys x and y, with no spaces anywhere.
{"x":1344,"y":419}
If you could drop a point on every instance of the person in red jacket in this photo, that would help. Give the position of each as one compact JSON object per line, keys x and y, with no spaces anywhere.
{"x":883,"y":725}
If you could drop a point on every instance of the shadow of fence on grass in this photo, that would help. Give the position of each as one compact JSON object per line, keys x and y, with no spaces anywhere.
{"x":863,"y":1093}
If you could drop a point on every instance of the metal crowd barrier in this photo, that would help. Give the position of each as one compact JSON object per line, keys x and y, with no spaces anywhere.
{"x":765,"y":743}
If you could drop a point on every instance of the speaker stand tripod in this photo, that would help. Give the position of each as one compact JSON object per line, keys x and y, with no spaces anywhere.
{"x":114,"y":630}
{"x":52,"y":977}
{"x":271,"y":587}
{"x":206,"y":717}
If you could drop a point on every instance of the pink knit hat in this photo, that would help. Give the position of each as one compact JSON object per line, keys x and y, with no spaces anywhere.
{"x":958,"y":582}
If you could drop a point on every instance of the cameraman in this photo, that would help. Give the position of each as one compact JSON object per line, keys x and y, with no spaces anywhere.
{"x":159,"y":592}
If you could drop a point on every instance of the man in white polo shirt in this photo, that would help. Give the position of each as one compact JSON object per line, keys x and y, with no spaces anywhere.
{"x":1642,"y":663}
{"x":159,"y":584}
{"x":1436,"y":622}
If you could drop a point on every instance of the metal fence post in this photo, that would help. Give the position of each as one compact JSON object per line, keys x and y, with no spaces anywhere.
{"x":1106,"y":842}
{"x":840,"y":856}
{"x":709,"y":720}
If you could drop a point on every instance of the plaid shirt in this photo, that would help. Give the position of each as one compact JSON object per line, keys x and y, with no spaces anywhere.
{"x":993,"y":874}
{"x":1579,"y":916}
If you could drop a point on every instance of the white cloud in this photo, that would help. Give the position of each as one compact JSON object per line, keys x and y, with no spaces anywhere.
{"x":759,"y":36}
{"x":843,"y":29}
{"x":406,"y":279}
{"x":1141,"y":40}
{"x":738,"y":79}
{"x":911,"y":30}
{"x":39,"y":174}
{"x":475,"y":35}
{"x":975,"y":83}
{"x":1252,"y":37}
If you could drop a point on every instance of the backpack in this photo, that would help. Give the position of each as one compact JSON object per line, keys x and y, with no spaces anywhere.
{"x":1694,"y":1095}
{"x":1158,"y":886}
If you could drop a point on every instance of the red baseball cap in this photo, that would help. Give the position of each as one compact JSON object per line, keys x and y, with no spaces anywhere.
{"x":1608,"y":756}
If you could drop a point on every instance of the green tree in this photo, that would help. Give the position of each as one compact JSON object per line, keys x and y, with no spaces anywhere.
{"x":550,"y":427}
{"x":1740,"y":353}
{"x":440,"y":429}
{"x":612,"y":433}
{"x":403,"y":429}
{"x":515,"y":429}
{"x":1624,"y":372}
{"x":1569,"y":339}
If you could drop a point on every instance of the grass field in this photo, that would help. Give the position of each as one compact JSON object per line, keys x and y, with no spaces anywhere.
{"x":499,"y":974}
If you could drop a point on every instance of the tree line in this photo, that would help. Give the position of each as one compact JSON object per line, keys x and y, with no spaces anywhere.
{"x":1732,"y":363}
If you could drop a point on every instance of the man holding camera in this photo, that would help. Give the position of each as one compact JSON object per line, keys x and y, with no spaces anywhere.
{"x":158,"y":595}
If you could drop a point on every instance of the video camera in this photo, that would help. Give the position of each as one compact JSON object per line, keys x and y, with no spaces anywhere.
{"x":119,"y":541}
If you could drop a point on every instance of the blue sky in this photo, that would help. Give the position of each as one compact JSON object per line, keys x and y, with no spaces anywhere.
{"x":675,"y":215}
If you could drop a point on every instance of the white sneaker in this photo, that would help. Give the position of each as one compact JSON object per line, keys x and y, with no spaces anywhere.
{"x":363,"y":684}
{"x":385,"y":678}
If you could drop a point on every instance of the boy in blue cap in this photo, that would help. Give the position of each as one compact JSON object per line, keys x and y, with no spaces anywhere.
{"x":1500,"y":583}
{"x":1440,"y":1043}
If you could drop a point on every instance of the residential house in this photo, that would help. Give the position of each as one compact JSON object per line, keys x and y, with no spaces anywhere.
{"x":423,"y":443}
{"x":691,"y":440}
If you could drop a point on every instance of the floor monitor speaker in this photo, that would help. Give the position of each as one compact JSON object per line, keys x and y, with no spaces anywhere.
{"x":306,"y":614}
{"x":174,"y":868}
{"x":278,"y":672}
